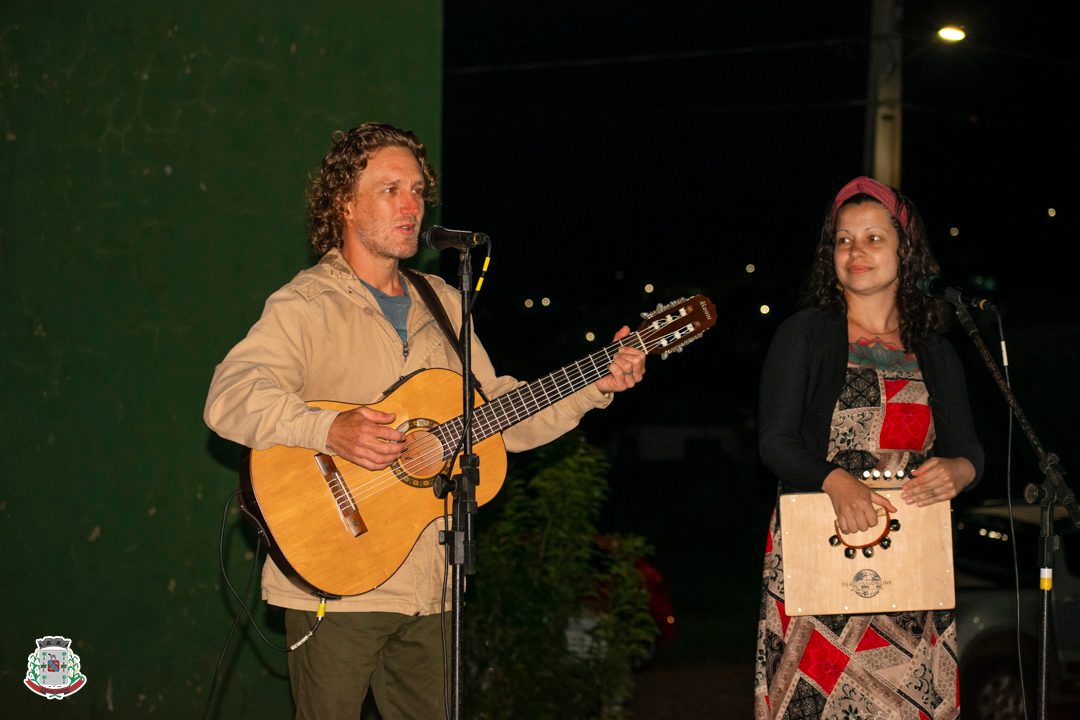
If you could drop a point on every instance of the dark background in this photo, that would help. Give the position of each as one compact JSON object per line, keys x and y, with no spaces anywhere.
{"x":607,"y":145}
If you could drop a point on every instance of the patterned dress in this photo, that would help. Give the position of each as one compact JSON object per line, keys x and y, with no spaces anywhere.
{"x":895,"y":666}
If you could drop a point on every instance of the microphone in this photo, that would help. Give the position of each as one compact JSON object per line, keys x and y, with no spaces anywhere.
{"x":437,"y":237}
{"x":935,"y":287}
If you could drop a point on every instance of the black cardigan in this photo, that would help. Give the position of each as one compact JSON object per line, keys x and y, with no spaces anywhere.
{"x":801,"y":380}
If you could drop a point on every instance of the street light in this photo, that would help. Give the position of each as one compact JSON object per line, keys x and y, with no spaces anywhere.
{"x":883,"y":140}
{"x":951,"y":33}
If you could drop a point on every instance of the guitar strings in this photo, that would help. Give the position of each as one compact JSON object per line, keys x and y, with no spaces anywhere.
{"x":432,"y":450}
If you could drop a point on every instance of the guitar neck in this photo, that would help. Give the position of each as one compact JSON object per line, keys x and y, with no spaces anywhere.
{"x":517,"y":405}
{"x":668,"y":329}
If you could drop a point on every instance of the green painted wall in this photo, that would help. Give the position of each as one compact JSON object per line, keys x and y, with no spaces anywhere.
{"x":153,"y":161}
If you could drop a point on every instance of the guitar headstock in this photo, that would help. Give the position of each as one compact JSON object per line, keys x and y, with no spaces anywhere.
{"x":670,"y":327}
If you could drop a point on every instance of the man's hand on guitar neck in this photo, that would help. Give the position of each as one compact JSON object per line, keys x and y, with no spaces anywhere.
{"x":364,"y":437}
{"x":626,"y":370}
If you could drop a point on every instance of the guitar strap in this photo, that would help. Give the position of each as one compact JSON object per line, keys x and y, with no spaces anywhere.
{"x":436,"y":308}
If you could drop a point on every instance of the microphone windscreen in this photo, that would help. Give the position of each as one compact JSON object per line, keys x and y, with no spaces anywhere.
{"x":428,"y":238}
{"x":928,"y":284}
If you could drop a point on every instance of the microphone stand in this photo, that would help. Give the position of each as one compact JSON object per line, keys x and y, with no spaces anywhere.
{"x":1052,"y":491}
{"x":461,"y":546}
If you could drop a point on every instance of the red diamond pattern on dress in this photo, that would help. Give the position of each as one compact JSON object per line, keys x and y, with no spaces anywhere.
{"x":784,"y":619}
{"x":892,"y":387}
{"x":871,"y":640}
{"x":905,"y":426}
{"x":822,"y":662}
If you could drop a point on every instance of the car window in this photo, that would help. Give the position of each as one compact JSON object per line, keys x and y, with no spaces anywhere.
{"x":983,"y":548}
{"x":983,"y":540}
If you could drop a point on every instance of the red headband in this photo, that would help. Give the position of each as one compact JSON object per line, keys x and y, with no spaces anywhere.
{"x":882,"y":193}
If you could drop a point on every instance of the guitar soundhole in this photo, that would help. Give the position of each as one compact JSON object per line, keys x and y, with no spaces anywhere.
{"x":423,"y":456}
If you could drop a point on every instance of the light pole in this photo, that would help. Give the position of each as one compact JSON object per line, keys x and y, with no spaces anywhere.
{"x":883,"y":140}
{"x":884,"y":129}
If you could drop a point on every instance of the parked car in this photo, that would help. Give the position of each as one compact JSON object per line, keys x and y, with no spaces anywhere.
{"x":988,"y":613}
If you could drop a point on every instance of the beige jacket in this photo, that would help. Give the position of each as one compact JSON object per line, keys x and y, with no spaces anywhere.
{"x":323,"y":337}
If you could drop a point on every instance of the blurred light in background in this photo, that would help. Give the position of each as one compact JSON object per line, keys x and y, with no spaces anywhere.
{"x":951,"y":33}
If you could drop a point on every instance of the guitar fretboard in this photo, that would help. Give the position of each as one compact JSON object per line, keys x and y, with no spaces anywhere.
{"x":513,"y":407}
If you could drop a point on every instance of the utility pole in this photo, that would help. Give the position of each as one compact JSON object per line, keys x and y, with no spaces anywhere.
{"x":883,"y":140}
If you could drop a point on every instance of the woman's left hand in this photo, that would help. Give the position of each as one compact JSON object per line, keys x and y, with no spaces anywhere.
{"x":937,"y":480}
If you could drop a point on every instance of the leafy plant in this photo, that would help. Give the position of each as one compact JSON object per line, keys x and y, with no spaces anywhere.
{"x":556,"y":614}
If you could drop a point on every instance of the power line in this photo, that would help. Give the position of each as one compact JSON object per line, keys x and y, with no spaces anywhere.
{"x":650,"y":57}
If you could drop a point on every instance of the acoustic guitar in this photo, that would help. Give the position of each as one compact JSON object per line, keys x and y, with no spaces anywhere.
{"x":343,"y":530}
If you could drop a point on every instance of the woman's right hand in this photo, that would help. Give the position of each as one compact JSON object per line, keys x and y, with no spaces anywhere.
{"x":853,"y":502}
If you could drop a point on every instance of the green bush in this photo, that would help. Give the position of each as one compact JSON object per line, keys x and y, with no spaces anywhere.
{"x":556,"y":614}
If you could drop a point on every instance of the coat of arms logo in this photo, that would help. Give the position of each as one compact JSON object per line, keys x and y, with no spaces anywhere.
{"x":53,"y":669}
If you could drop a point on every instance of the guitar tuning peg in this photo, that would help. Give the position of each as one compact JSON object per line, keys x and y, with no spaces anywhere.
{"x":659,"y":306}
{"x":644,"y":315}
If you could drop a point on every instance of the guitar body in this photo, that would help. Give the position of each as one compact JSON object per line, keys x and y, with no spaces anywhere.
{"x":287,"y":493}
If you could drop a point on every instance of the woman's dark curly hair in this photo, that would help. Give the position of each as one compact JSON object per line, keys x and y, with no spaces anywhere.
{"x":920,"y":316}
{"x":333,"y":187}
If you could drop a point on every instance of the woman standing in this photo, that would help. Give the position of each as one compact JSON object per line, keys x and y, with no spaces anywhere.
{"x":859,"y":380}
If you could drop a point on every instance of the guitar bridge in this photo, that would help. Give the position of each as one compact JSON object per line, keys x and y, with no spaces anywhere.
{"x":350,"y":515}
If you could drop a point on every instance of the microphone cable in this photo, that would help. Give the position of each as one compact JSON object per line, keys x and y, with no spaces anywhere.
{"x":1012,"y":520}
{"x":243,"y":600}
{"x":480,"y":280}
